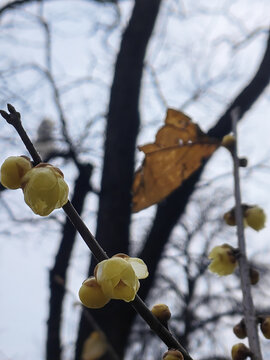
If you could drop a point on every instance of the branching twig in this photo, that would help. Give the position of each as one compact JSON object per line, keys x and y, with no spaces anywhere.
{"x":249,"y":311}
{"x":13,"y":118}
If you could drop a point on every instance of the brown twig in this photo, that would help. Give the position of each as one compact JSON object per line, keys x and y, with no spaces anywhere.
{"x":249,"y":310}
{"x":14,"y":118}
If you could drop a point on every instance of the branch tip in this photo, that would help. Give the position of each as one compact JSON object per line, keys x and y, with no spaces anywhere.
{"x":13,"y":117}
{"x":11,"y":109}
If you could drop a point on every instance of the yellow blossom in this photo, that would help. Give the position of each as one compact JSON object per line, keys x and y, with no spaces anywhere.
{"x":13,"y":169}
{"x":255,"y":217}
{"x":118,"y":276}
{"x":44,"y":189}
{"x":223,"y":260}
{"x":91,"y":294}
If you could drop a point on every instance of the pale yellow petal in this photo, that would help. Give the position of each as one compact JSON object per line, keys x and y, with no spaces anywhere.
{"x":139,"y":267}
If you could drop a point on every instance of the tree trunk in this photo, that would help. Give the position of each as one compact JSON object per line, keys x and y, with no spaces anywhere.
{"x":122,"y":128}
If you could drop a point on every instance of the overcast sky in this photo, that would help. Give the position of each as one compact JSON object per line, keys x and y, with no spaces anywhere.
{"x":213,"y":47}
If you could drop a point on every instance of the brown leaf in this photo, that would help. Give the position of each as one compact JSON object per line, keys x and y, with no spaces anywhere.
{"x":178,"y":151}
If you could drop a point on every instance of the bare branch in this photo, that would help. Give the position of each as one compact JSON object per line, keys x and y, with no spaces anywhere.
{"x":249,"y":310}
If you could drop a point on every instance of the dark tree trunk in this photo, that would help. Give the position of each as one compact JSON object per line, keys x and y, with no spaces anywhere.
{"x":122,"y":128}
{"x":59,"y":271}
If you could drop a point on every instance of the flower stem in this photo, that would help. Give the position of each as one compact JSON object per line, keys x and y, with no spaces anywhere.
{"x":248,"y":307}
{"x":13,"y":118}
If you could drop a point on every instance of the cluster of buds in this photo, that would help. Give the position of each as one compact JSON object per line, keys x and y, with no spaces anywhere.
{"x":43,"y":186}
{"x":253,"y":216}
{"x":264,"y":321}
{"x":115,"y":278}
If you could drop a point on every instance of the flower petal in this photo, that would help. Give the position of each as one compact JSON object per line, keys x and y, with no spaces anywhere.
{"x":139,"y":267}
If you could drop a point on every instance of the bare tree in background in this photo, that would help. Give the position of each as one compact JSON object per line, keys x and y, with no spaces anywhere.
{"x":122,"y":126}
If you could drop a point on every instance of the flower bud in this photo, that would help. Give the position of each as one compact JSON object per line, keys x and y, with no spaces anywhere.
{"x":91,"y":294}
{"x":254,"y":276}
{"x":229,"y":218}
{"x":173,"y":355}
{"x":240,"y":352}
{"x":44,"y":189}
{"x":223,"y":260}
{"x":240,"y":330}
{"x":243,"y":162}
{"x":255,"y":217}
{"x":265,"y":327}
{"x":13,"y":169}
{"x":162,"y":312}
{"x":228,"y":142}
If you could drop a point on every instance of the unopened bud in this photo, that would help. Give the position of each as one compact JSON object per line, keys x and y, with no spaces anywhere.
{"x":240,"y":330}
{"x":13,"y":170}
{"x":265,"y":327}
{"x":228,"y":142}
{"x":240,"y":352}
{"x":229,"y":218}
{"x":91,"y":294}
{"x":254,"y":276}
{"x":173,"y":355}
{"x":243,"y":162}
{"x":162,"y":312}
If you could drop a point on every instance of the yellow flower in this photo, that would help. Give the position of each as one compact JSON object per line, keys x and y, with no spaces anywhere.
{"x":240,"y":352}
{"x":44,"y":189}
{"x":255,"y":217}
{"x":118,"y":276}
{"x":13,"y":169}
{"x":223,"y":260}
{"x":91,"y":294}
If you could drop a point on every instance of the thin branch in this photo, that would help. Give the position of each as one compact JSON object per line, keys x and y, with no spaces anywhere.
{"x":248,"y":307}
{"x":14,"y":119}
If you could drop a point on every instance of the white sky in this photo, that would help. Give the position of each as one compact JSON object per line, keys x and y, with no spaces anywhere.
{"x":192,"y":44}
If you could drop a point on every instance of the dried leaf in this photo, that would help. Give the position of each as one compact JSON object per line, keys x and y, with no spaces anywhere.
{"x":95,"y":346}
{"x":178,"y":151}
